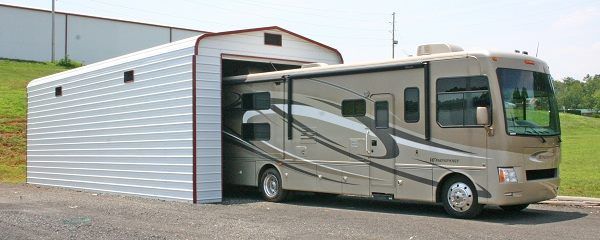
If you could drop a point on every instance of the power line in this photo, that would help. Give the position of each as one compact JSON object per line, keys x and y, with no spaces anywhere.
{"x":151,"y":13}
{"x":155,"y":13}
{"x":319,"y":25}
{"x":337,"y":9}
{"x":288,"y":9}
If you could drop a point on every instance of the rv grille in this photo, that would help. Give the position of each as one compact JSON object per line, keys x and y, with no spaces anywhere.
{"x":540,"y":174}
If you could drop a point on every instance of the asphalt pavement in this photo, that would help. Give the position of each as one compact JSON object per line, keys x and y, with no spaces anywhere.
{"x":31,"y":212}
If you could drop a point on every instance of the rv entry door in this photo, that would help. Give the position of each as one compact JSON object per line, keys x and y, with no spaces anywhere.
{"x":380,"y":146}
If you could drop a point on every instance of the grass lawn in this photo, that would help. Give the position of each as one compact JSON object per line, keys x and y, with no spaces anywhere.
{"x":14,"y":76}
{"x":580,"y":167}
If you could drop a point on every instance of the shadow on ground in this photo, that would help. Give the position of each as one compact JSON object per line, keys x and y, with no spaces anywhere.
{"x":530,"y":216}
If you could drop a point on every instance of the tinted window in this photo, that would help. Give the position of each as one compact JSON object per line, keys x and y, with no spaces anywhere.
{"x":530,"y":106}
{"x":256,"y":101}
{"x":411,"y":105}
{"x":354,"y":108}
{"x":450,"y":109}
{"x":382,"y":114}
{"x":451,"y":85}
{"x":461,"y":84}
{"x":272,"y":39}
{"x":128,"y":76}
{"x":458,"y":99}
{"x":256,"y":131}
{"x":58,"y":91}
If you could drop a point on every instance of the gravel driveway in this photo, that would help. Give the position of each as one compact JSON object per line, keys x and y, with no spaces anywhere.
{"x":30,"y":212}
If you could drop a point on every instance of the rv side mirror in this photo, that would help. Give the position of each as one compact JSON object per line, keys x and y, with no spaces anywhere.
{"x":482,"y":116}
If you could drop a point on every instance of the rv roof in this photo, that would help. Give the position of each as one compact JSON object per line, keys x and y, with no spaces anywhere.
{"x":405,"y":60}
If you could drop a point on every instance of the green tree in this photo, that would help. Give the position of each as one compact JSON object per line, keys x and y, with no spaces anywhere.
{"x":570,"y":96}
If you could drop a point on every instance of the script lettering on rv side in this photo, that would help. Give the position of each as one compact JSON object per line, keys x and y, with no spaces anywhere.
{"x":443,"y":160}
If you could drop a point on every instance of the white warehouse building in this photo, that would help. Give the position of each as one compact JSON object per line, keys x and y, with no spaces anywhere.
{"x":149,"y":123}
{"x":25,"y":34}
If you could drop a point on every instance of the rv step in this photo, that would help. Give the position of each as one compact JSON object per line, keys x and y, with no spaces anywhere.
{"x":383,"y":196}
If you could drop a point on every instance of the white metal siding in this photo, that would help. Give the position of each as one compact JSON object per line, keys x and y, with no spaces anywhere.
{"x":26,"y":34}
{"x":178,"y":34}
{"x":136,"y":138}
{"x":106,"y":135}
{"x":208,"y":130}
{"x":86,"y":35}
{"x":252,"y":44}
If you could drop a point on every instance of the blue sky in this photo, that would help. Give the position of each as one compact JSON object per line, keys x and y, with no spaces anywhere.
{"x":568,"y":32}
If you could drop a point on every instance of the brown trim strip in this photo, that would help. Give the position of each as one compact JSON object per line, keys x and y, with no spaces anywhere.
{"x":194,"y":150}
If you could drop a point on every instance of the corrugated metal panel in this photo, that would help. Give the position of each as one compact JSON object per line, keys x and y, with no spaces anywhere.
{"x":178,"y":34}
{"x":25,"y":34}
{"x":252,"y":44}
{"x":208,"y":108}
{"x":84,"y":34}
{"x":110,"y":136}
{"x":137,"y":138}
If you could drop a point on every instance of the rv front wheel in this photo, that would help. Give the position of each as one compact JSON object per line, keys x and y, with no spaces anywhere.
{"x":460,"y":198}
{"x":271,"y":186}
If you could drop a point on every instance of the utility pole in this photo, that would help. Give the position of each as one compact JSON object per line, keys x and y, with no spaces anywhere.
{"x":53,"y":30}
{"x":394,"y":42}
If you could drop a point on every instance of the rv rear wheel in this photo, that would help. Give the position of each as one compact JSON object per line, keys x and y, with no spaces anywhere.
{"x":271,"y":186}
{"x":514,"y":208}
{"x":460,"y":198}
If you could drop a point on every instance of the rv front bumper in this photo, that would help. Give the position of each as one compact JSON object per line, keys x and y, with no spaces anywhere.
{"x":525,"y":192}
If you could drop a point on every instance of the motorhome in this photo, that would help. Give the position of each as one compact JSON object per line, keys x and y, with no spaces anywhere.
{"x":460,"y":128}
{"x":269,"y":108}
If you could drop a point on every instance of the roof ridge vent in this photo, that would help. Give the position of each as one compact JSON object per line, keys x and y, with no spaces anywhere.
{"x":435,"y":48}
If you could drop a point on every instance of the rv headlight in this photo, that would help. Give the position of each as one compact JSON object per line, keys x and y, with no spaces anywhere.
{"x":507,"y":175}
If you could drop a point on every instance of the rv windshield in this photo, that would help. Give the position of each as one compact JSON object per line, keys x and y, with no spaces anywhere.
{"x":529,"y":102}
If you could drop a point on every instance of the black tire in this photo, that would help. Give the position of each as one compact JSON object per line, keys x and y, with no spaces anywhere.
{"x":274,"y":191}
{"x":514,"y":208}
{"x":465,"y":204}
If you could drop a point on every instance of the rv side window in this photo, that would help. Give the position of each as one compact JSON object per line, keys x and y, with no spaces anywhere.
{"x":458,"y":99}
{"x":354,"y":108}
{"x":382,"y":116}
{"x":256,"y":131}
{"x":411,"y":105}
{"x":256,"y":101}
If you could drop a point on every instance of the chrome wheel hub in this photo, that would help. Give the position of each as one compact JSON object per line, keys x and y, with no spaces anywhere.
{"x":270,"y":185}
{"x":460,"y":197}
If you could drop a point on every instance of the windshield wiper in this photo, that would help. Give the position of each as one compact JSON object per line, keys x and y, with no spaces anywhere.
{"x":537,"y":133}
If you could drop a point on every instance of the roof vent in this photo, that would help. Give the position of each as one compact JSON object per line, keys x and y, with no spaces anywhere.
{"x":429,"y":49}
{"x":311,"y":65}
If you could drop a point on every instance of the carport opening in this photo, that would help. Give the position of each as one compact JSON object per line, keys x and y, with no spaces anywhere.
{"x":232,"y":67}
